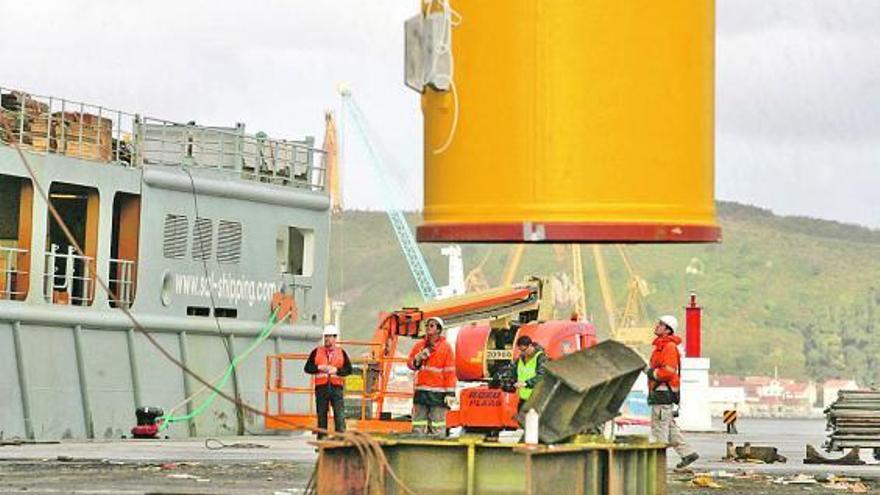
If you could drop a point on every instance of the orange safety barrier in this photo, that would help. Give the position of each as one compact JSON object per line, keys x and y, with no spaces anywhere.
{"x":375,"y":377}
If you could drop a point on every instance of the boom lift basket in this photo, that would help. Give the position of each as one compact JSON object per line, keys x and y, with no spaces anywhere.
{"x":583,"y":390}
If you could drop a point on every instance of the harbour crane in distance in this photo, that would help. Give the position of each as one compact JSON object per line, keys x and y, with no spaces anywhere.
{"x":414,"y":258}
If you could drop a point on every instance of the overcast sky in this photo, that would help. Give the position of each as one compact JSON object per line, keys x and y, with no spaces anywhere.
{"x":798,"y":83}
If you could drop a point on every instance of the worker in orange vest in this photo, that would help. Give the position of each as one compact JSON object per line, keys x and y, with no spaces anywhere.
{"x":330,"y":364}
{"x":664,"y":380}
{"x":434,"y":363}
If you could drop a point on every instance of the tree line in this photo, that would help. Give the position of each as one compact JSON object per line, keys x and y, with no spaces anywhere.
{"x":842,"y":341}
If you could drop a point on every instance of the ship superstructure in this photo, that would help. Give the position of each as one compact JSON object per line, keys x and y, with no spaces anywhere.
{"x":194,"y":227}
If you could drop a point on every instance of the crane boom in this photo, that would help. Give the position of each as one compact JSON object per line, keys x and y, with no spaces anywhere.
{"x":513,"y":261}
{"x":417,"y":265}
{"x":577,"y":263}
{"x":331,"y":163}
{"x":607,"y":298}
{"x":624,"y":326}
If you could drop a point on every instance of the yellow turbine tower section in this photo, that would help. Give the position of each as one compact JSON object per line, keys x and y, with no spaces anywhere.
{"x":573,"y":121}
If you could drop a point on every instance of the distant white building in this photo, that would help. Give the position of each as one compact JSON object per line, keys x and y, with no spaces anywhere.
{"x":800,"y":391}
{"x":762,"y":396}
{"x":831,"y":387}
{"x":726,"y":398}
{"x":776,"y":389}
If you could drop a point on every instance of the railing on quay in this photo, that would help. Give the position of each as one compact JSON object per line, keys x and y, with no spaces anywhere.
{"x":47,"y":124}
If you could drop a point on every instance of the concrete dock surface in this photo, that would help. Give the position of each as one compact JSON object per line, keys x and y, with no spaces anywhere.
{"x":283,"y":465}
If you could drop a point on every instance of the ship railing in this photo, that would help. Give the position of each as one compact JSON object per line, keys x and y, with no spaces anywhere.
{"x":46,"y":124}
{"x":122,"y":281}
{"x":68,"y":278}
{"x":228,"y":149}
{"x":11,"y":275}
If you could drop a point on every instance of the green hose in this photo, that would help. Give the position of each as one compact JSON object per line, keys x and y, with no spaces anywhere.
{"x":167,"y":419}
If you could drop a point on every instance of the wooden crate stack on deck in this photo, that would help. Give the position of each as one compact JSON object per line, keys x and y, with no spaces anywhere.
{"x":85,"y":135}
{"x":42,"y":138}
{"x":76,"y":134}
{"x":23,"y":123}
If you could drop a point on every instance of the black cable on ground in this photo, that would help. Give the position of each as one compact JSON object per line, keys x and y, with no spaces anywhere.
{"x":217,"y":444}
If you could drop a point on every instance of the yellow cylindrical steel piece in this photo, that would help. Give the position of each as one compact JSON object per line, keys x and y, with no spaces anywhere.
{"x":578,"y":121}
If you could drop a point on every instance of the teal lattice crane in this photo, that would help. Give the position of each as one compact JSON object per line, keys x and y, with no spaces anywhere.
{"x":417,"y":265}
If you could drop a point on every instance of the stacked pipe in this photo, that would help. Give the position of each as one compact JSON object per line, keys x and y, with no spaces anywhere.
{"x":854,"y":420}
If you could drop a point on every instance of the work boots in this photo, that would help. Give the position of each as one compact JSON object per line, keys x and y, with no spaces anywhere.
{"x":687,"y":460}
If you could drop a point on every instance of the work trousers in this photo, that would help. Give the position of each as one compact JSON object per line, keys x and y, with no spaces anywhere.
{"x":664,"y":429}
{"x":429,"y":420}
{"x":326,"y":396}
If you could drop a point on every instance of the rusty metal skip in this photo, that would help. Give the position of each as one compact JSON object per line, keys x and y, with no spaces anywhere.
{"x":580,"y":392}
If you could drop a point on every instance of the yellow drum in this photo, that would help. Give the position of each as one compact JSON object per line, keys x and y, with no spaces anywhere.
{"x":574,"y":121}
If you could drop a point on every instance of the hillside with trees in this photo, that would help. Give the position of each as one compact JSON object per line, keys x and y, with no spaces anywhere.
{"x":790,"y":293}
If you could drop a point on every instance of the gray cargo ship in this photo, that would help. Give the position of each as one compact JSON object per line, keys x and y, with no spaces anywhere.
{"x":195,"y":228}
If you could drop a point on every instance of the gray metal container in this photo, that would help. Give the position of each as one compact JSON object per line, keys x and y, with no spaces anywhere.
{"x":583,"y":390}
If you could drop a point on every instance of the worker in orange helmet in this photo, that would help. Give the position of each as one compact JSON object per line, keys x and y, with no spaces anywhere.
{"x":664,"y":379}
{"x":434,"y":363}
{"x":330,"y":365}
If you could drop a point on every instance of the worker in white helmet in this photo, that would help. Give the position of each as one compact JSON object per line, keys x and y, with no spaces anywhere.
{"x":664,"y":380}
{"x":329,"y":364}
{"x":434,"y":363}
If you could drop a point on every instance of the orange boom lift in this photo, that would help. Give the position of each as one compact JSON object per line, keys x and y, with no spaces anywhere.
{"x":489,"y":323}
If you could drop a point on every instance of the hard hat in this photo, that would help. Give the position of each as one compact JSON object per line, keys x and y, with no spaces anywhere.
{"x":330,"y":330}
{"x":436,"y":319}
{"x":670,"y":321}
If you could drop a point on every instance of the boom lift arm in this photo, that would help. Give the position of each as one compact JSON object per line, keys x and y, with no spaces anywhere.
{"x":499,"y":305}
{"x":490,"y":321}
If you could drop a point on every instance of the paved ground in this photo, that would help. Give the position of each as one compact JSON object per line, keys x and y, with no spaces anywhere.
{"x":285,"y":464}
{"x":757,"y":485}
{"x":158,"y":467}
{"x":277,"y":448}
{"x":94,"y":477}
{"x":790,"y":437}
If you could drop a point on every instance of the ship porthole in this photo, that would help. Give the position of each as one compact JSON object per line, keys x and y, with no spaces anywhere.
{"x":167,"y":284}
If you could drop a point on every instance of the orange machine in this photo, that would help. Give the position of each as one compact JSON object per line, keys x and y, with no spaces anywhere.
{"x":490,"y":322}
{"x":480,"y":352}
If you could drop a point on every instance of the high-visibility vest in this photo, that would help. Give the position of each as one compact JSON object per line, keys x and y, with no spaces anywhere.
{"x":526,"y":370}
{"x":666,"y":362}
{"x":332,"y":356}
{"x":437,"y":373}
